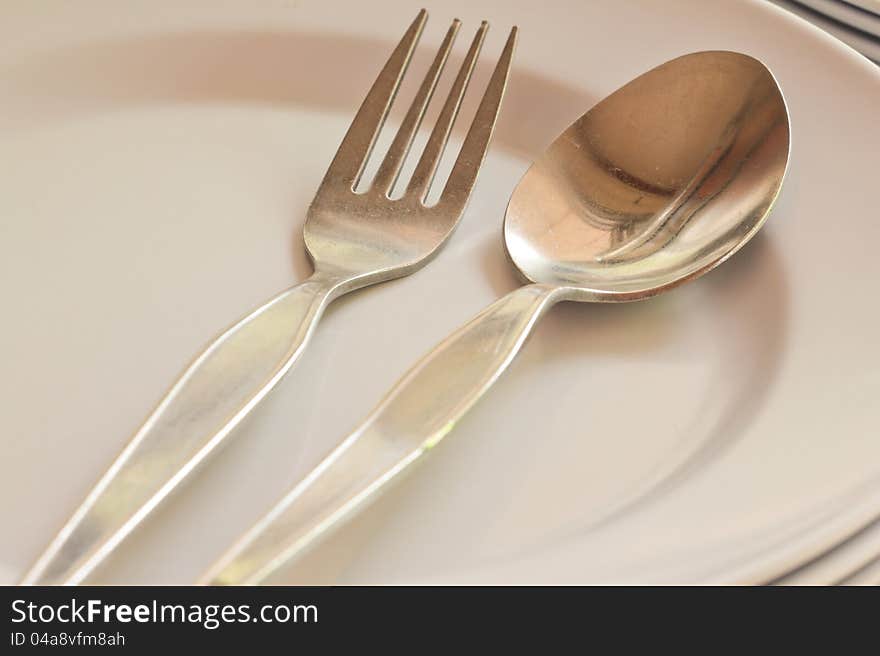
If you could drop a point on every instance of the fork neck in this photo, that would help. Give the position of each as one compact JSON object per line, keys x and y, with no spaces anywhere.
{"x":335,"y":281}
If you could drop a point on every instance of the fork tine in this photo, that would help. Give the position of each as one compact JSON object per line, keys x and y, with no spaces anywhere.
{"x":391,"y":165}
{"x":348,"y":163}
{"x":420,"y":183}
{"x":470,"y":158}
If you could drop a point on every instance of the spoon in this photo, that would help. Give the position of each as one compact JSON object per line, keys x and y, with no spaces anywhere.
{"x":654,"y":186}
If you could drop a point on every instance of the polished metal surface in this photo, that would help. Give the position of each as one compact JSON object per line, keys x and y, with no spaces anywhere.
{"x":354,"y":240}
{"x":657,"y":183}
{"x":654,"y":186}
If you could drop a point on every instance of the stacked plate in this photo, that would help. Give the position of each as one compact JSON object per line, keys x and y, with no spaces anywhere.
{"x":855,"y":22}
{"x":156,"y":167}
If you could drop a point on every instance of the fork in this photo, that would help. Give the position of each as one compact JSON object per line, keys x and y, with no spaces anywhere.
{"x":354,"y":239}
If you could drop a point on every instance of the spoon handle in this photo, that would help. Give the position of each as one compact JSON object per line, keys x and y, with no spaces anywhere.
{"x":214,"y":393}
{"x":415,"y":415}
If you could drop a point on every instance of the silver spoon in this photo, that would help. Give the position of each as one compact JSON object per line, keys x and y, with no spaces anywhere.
{"x":654,"y":186}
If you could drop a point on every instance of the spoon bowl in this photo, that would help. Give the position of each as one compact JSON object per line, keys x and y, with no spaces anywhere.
{"x":655,"y":185}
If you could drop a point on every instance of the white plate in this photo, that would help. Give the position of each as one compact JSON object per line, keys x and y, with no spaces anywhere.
{"x":847,"y":560}
{"x":865,"y":43}
{"x":868,"y":5}
{"x":155,"y":170}
{"x":868,"y":575}
{"x":847,"y":14}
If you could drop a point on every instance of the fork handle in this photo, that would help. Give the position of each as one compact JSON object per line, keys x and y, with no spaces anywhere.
{"x":415,"y":415}
{"x":217,"y":390}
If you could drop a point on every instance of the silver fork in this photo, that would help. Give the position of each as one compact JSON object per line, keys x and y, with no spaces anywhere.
{"x":354,"y":240}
